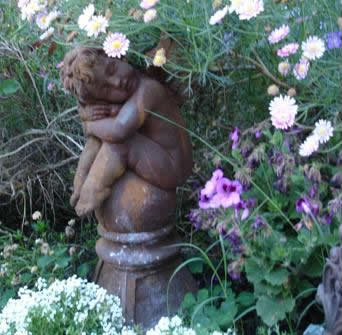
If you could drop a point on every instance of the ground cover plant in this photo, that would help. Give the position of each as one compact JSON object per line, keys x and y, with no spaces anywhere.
{"x":260,"y":84}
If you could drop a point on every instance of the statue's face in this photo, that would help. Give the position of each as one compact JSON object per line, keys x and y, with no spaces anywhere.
{"x":108,"y":80}
{"x":119,"y":81}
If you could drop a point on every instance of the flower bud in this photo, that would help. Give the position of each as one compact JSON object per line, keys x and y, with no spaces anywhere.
{"x":314,"y":174}
{"x":267,"y":28}
{"x":34,"y":269}
{"x":36,"y":215}
{"x":336,"y":180}
{"x":339,"y":22}
{"x":69,"y":232}
{"x":291,"y":92}
{"x":71,"y":222}
{"x":72,"y":251}
{"x":44,"y":249}
{"x":273,"y":90}
{"x":216,"y":4}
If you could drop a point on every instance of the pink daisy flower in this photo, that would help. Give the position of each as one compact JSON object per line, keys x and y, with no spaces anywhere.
{"x":301,"y":69}
{"x":116,"y":45}
{"x":288,"y":49}
{"x":279,"y":34}
{"x":283,"y":110}
{"x":146,"y":4}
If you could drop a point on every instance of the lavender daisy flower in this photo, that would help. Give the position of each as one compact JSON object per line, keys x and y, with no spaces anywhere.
{"x":334,"y":40}
{"x":234,"y":136}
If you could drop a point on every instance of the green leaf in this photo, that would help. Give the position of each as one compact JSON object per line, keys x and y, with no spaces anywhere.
{"x":196,"y":267}
{"x":9,"y":86}
{"x":45,"y":261}
{"x":246,"y":299}
{"x":277,"y":139}
{"x":277,"y":277}
{"x":253,"y":271}
{"x":202,"y":295}
{"x":9,"y":293}
{"x":83,"y":270}
{"x":63,"y":262}
{"x":189,"y":301}
{"x":273,"y":310}
{"x":227,"y":312}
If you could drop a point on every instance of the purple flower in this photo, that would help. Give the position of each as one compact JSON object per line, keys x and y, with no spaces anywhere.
{"x":233,"y":236}
{"x":313,"y":191}
{"x":228,"y":192}
{"x":234,"y":270}
{"x":334,"y":40}
{"x":204,"y":202}
{"x":196,"y":219}
{"x":244,"y":206}
{"x":51,"y":86}
{"x":234,"y":136}
{"x":258,"y":223}
{"x":308,"y":207}
{"x":327,"y":219}
{"x":258,"y":134}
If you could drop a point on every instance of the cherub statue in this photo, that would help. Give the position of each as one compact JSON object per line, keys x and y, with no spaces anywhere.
{"x":114,"y":104}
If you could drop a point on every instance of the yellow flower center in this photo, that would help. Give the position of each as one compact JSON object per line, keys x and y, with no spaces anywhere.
{"x":96,"y":26}
{"x":44,"y":19}
{"x":301,"y":68}
{"x":116,"y":44}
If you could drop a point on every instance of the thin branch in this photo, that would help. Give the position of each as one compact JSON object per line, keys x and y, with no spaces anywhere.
{"x":262,"y":67}
{"x":23,"y":146}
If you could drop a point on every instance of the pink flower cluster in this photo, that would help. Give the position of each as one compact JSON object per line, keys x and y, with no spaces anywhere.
{"x":220,"y":192}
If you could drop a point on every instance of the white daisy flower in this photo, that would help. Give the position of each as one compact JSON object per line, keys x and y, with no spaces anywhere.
{"x":42,"y":20}
{"x":116,"y":45}
{"x":323,"y":131}
{"x":47,"y":34}
{"x":309,"y":146}
{"x":283,"y":110}
{"x":250,"y":9}
{"x":96,"y":25}
{"x":284,"y":68}
{"x":235,"y":6}
{"x":150,"y":15}
{"x":218,"y":16}
{"x":313,"y":48}
{"x":85,"y":17}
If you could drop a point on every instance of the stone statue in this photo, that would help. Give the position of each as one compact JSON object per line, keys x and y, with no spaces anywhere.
{"x":128,"y":172}
{"x":329,"y":292}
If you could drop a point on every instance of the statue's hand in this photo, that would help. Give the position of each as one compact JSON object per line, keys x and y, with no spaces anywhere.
{"x":97,"y":112}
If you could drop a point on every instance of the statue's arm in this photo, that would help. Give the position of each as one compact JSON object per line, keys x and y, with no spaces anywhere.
{"x":115,"y":130}
{"x":97,"y":112}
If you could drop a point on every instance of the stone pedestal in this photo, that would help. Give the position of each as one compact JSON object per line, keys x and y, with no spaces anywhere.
{"x":137,"y":251}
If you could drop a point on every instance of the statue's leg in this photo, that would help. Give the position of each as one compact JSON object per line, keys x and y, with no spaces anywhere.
{"x":85,"y":162}
{"x":110,"y":164}
{"x":153,"y":163}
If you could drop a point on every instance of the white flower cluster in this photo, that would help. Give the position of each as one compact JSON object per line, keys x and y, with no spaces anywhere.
{"x":92,"y":24}
{"x":38,"y":9}
{"x":246,"y":9}
{"x":175,"y":326}
{"x":72,"y":301}
{"x":321,"y":134}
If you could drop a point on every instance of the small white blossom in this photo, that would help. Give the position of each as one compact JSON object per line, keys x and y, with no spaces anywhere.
{"x":313,"y":48}
{"x":36,"y":215}
{"x":323,"y":131}
{"x":85,"y":17}
{"x":47,"y":34}
{"x":218,"y":16}
{"x":309,"y":146}
{"x":96,"y":25}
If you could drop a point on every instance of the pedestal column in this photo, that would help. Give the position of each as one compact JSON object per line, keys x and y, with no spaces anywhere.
{"x":137,"y":251}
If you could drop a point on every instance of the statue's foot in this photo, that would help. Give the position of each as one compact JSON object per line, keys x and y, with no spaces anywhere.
{"x":91,"y":200}
{"x":74,"y":198}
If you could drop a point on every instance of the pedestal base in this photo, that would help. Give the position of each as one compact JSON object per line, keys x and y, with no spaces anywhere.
{"x":145,"y":295}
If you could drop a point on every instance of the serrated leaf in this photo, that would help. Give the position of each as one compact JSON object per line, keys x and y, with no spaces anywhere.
{"x":253,"y":271}
{"x":246,"y":299}
{"x":188,"y":301}
{"x":227,"y":312}
{"x":9,"y":86}
{"x":273,"y":310}
{"x":277,"y":277}
{"x":277,"y":139}
{"x":202,"y":295}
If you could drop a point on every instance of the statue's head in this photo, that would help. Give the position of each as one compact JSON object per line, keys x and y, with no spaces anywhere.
{"x":93,"y":77}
